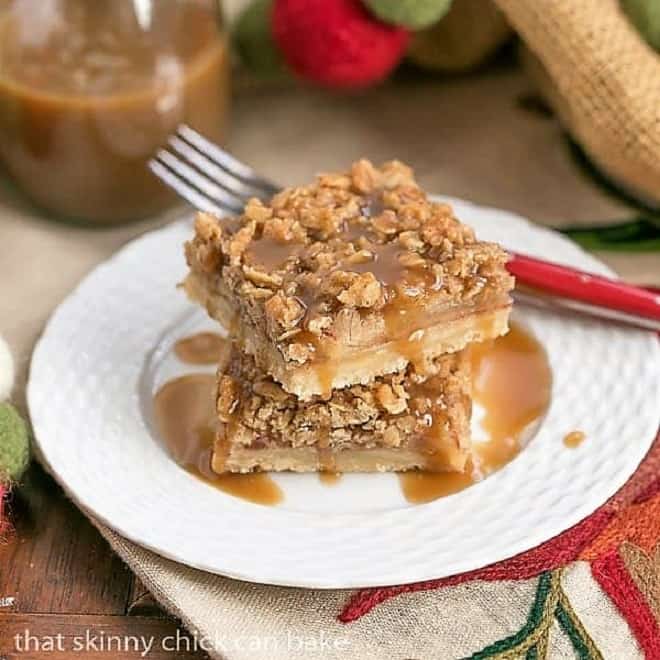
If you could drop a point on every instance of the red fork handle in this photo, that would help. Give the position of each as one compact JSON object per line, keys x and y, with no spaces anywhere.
{"x":584,"y":287}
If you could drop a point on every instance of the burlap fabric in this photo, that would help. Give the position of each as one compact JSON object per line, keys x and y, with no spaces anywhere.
{"x":604,"y":83}
{"x":596,"y":71}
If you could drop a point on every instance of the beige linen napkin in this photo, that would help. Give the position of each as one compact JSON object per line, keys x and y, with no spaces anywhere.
{"x":246,"y":621}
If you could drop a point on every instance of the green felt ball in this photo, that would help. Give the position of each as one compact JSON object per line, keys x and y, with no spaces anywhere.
{"x":14,"y":444}
{"x":645,"y":16}
{"x":464,"y":39}
{"x":412,"y":14}
{"x":253,"y":41}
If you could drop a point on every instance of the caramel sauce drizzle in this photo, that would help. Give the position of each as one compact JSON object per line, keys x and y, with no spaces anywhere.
{"x":404,"y":289}
{"x":184,"y":412}
{"x":434,"y":442}
{"x":574,"y":439}
{"x":325,"y":455}
{"x":325,"y":374}
{"x":384,"y":263}
{"x":373,"y":205}
{"x":512,"y":381}
{"x":421,"y":487}
{"x":329,"y":478}
{"x":270,"y":253}
{"x":255,"y":487}
{"x":201,"y":348}
{"x":404,"y":286}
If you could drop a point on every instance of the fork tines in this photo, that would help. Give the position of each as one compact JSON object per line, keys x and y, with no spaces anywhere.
{"x":207,"y":176}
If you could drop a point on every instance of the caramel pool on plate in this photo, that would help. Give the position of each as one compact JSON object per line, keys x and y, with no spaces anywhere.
{"x":184,"y":412}
{"x":574,"y":439}
{"x":201,"y":348}
{"x":512,"y":381}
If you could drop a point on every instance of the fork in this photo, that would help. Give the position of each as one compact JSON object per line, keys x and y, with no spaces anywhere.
{"x":214,"y":181}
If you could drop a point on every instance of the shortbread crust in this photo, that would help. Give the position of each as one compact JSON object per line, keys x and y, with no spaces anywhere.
{"x":347,"y":279}
{"x":418,"y":418}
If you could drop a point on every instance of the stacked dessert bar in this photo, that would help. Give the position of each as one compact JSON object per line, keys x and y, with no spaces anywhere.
{"x":351,"y":303}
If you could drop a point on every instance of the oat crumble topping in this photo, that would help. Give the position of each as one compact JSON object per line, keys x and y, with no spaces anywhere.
{"x":322,"y":259}
{"x":395,"y":411}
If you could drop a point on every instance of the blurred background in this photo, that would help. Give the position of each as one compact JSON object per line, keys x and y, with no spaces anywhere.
{"x":549,"y":111}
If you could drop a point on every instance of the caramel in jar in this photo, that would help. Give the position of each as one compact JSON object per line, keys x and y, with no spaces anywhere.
{"x":90,"y":89}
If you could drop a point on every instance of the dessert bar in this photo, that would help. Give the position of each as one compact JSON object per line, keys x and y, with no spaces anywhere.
{"x":347,"y":279}
{"x":417,"y":418}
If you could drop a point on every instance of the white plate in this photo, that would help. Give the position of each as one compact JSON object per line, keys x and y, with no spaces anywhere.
{"x":105,"y":350}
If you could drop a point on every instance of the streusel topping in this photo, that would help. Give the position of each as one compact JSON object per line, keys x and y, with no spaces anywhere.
{"x":418,"y":405}
{"x":321,"y":258}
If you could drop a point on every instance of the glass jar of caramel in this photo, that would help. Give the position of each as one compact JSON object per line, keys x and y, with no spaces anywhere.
{"x":90,"y":89}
